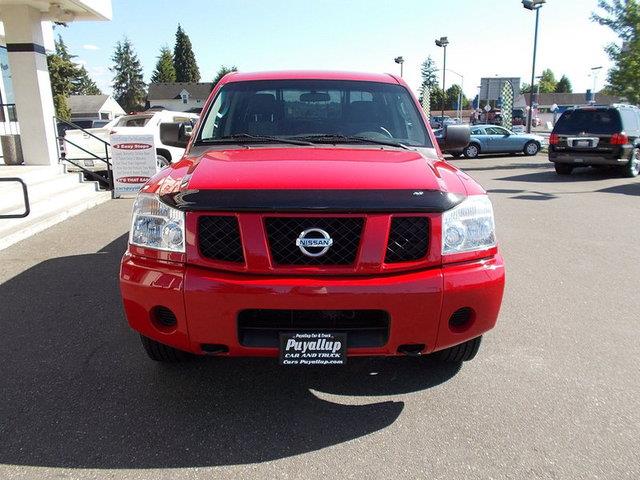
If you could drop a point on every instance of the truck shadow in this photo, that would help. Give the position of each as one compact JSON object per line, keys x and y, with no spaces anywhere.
{"x":79,"y":392}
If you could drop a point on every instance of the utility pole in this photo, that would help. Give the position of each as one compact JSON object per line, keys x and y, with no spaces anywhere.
{"x":533,"y":5}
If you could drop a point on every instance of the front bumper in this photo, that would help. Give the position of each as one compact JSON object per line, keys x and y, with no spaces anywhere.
{"x":206,"y":303}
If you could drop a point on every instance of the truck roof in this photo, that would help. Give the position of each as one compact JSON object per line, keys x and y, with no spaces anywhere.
{"x":310,"y":75}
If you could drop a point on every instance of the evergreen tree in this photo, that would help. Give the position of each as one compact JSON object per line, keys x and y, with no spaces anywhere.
{"x":164,"y":72}
{"x":128,"y":85}
{"x":564,"y":85}
{"x":67,"y":78}
{"x":83,"y":85}
{"x":623,"y":17}
{"x":62,"y":72}
{"x":184,"y":61}
{"x":429,"y":78}
{"x":222,"y":71}
{"x":61,"y":107}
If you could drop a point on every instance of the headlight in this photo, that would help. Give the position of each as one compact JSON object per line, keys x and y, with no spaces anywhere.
{"x":469,"y":226}
{"x":156,"y":225}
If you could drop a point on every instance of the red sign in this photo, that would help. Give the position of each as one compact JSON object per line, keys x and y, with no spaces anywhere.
{"x":132,"y":179}
{"x":132,"y":146}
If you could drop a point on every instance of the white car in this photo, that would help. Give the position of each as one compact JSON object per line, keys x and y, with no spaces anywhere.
{"x":79,"y":145}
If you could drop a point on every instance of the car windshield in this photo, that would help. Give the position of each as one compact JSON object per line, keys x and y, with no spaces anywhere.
{"x":133,"y":121}
{"x":318,"y":111}
{"x":590,"y":121}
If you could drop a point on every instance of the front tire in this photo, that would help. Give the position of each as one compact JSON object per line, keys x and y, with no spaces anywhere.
{"x":159,"y":352}
{"x":161,"y":161}
{"x":632,"y":168}
{"x":531,"y":148}
{"x":471,"y":151}
{"x":563,"y":168}
{"x":460,"y":353}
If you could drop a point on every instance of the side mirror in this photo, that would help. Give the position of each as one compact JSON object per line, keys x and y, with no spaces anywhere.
{"x":175,"y":134}
{"x":456,"y":136}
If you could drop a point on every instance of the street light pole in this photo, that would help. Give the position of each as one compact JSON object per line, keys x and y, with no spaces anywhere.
{"x":460,"y":93}
{"x":400,"y":61}
{"x":594,"y":73}
{"x":533,"y":5}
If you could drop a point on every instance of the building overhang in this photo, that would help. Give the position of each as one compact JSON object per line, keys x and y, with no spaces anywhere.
{"x":67,"y":10}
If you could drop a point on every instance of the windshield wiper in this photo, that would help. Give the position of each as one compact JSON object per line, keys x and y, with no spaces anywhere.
{"x":246,"y":137}
{"x":337,"y":138}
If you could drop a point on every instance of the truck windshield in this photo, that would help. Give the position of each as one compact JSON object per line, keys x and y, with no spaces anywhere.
{"x":605,"y":121}
{"x":318,"y":111}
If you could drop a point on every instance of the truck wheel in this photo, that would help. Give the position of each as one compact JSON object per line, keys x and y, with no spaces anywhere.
{"x":460,"y":353}
{"x":563,"y":168}
{"x":471,"y":151}
{"x":531,"y":148}
{"x":159,"y":352}
{"x":632,"y":169}
{"x":162,"y":161}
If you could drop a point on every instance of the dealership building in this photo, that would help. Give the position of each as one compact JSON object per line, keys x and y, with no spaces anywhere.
{"x":27,"y":126}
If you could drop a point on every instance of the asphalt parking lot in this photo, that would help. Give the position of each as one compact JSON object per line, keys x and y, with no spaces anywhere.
{"x":553,"y":393}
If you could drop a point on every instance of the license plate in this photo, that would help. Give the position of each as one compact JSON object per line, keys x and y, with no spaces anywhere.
{"x":583,"y":143}
{"x":88,"y":163}
{"x":313,"y":348}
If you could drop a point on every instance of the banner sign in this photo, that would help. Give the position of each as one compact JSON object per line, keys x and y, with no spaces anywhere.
{"x":507,"y":105}
{"x":426,"y":102}
{"x":133,"y":161}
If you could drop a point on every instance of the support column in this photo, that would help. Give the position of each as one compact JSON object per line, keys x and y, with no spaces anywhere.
{"x":31,"y":84}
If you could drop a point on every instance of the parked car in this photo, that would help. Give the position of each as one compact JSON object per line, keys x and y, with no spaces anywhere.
{"x":496,"y":139}
{"x":597,"y":136}
{"x":439,"y":121}
{"x":84,"y":124}
{"x":310,"y":219}
{"x":79,"y":145}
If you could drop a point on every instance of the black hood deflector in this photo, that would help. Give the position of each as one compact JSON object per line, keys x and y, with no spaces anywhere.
{"x":345,"y":201}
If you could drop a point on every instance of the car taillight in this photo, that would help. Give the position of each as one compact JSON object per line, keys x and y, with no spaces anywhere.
{"x":619,"y":139}
{"x":554,"y":139}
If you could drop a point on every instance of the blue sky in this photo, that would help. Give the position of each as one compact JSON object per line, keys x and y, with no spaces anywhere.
{"x":487,"y":37}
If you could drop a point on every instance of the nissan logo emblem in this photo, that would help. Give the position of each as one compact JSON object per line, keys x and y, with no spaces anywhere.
{"x":314,"y":242}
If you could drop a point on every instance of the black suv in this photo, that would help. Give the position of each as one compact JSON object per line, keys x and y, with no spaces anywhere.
{"x":597,"y":136}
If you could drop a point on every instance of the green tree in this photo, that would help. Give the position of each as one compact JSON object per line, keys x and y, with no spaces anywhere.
{"x":62,"y":107}
{"x":67,"y":78}
{"x":548,"y":81}
{"x":164,"y":72}
{"x":428,"y":71}
{"x":62,"y":71}
{"x":564,"y":85}
{"x":623,"y":17}
{"x":184,"y":61}
{"x":452,"y":95}
{"x":83,"y":84}
{"x":128,"y":86}
{"x":222,"y":71}
{"x":437,"y":98}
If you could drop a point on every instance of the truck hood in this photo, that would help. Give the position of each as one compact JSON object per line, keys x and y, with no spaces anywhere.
{"x":317,"y":168}
{"x":316,"y":178}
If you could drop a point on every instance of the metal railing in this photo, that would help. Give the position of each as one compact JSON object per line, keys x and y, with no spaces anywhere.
{"x":8,"y":119}
{"x":62,"y":140}
{"x":25,"y":194}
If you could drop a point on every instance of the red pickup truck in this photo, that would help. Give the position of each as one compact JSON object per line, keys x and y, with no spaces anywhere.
{"x":312,"y":218}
